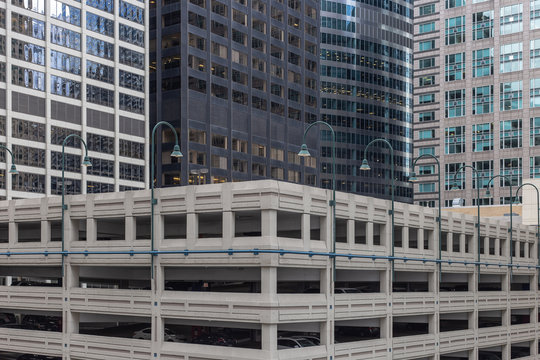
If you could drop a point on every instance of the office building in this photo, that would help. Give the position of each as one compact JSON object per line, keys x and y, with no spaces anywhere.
{"x":366,"y":93}
{"x":239,"y":82}
{"x":242,"y":271}
{"x":477,"y":82}
{"x":73,"y":68}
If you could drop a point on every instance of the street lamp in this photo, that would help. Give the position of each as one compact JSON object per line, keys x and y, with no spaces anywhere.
{"x":175,"y":153}
{"x":506,"y":178}
{"x":365,"y":167}
{"x":304,"y":152}
{"x":86,"y":162}
{"x":413,"y":178}
{"x":13,"y":170}
{"x":454,"y":187}
{"x":537,"y":213}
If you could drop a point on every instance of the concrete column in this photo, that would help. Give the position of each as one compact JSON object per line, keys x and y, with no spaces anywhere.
{"x":13,"y":233}
{"x":405,"y":237}
{"x":433,"y":282}
{"x":45,"y":232}
{"x":131,"y":229}
{"x":498,"y":247}
{"x":91,"y":231}
{"x":192,"y":229}
{"x":269,"y":338}
{"x":269,"y":280}
{"x":305,"y":229}
{"x":369,"y":234}
{"x":269,"y":222}
{"x":228,"y":229}
{"x":505,"y":281}
{"x":462,"y":240}
{"x":350,"y":233}
{"x":420,"y":237}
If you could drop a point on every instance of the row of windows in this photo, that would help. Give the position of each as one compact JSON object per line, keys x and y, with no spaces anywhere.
{"x":366,"y":61}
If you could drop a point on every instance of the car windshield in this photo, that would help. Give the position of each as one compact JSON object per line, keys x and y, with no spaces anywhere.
{"x":305,"y":342}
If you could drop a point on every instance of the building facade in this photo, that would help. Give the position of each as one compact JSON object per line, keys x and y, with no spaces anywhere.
{"x":476,"y":96}
{"x":73,"y":68}
{"x":366,"y":93}
{"x":238,"y":80}
{"x":248,"y":266}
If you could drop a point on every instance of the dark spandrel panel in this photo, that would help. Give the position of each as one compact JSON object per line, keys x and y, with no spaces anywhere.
{"x":2,"y":98}
{"x":131,"y":126}
{"x":100,"y":120}
{"x":27,"y":104}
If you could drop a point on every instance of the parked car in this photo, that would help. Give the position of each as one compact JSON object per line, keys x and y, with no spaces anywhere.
{"x":146,"y":334}
{"x":315,"y":340}
{"x":293,"y":343}
{"x":37,"y":357}
{"x":42,"y":322}
{"x":346,"y":291}
{"x":7,"y":318}
{"x":217,"y":339}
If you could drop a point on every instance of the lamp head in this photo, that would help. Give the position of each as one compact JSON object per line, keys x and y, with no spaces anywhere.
{"x":86,"y":161}
{"x":488,"y":193}
{"x":454,"y":188}
{"x":413,"y":177}
{"x":176,"y":152}
{"x":13,"y":170}
{"x":516,"y":202}
{"x":304,"y":151}
{"x":365,"y":165}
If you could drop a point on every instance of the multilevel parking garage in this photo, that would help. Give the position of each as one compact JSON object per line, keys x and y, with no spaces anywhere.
{"x":245,"y":271}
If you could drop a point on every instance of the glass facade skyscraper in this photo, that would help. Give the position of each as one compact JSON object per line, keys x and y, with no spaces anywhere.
{"x":366,"y":93}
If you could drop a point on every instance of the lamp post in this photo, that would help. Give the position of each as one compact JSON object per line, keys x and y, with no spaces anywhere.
{"x":86,"y":162}
{"x":537,"y":213}
{"x":175,"y":153}
{"x":413,"y":178}
{"x":454,"y":187}
{"x":365,"y":167}
{"x":506,"y":178}
{"x":13,"y":170}
{"x":304,"y":152}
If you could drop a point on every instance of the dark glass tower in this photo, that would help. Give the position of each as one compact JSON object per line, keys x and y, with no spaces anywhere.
{"x":239,"y":81}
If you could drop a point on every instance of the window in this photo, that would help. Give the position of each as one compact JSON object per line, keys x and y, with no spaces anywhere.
{"x":534,"y":171}
{"x":455,"y":67}
{"x":430,"y":150}
{"x":535,"y":53}
{"x":427,"y":9}
{"x":426,"y":116}
{"x":28,"y":52}
{"x":131,"y":172}
{"x":455,"y":30}
{"x":426,"y":80}
{"x":65,"y":37}
{"x":131,"y":12}
{"x":31,"y":79}
{"x":510,"y":134}
{"x":454,"y":140}
{"x":511,"y":96}
{"x":451,"y":170}
{"x":131,"y":58}
{"x":65,"y":87}
{"x":28,"y":26}
{"x":511,"y":57}
{"x":482,"y":139}
{"x":511,"y":19}
{"x":64,"y":12}
{"x":99,"y":24}
{"x":427,"y":27}
{"x":535,"y":131}
{"x":131,"y":81}
{"x":454,"y":103}
{"x":131,"y":103}
{"x":99,"y":48}
{"x":29,"y":156}
{"x":426,"y":63}
{"x":535,"y":14}
{"x":483,"y":25}
{"x":28,"y":130}
{"x":426,"y":134}
{"x":100,"y":96}
{"x":426,"y":187}
{"x":482,"y":62}
{"x":131,"y":35}
{"x":100,"y":143}
{"x":535,"y":93}
{"x":426,"y":45}
{"x":105,"y":5}
{"x":100,"y":72}
{"x":485,"y":173}
{"x":128,"y":148}
{"x":512,"y":168}
{"x":454,"y":3}
{"x":426,"y":170}
{"x":426,"y":99}
{"x":482,"y":100}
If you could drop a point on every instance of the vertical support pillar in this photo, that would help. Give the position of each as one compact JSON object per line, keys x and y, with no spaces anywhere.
{"x":350,"y":233}
{"x":369,"y":234}
{"x":228,"y":229}
{"x":45,"y":232}
{"x":13,"y":233}
{"x":192,"y":229}
{"x":405,"y":237}
{"x":91,"y":231}
{"x":131,"y":229}
{"x":306,"y":231}
{"x":269,"y":223}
